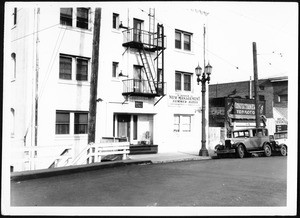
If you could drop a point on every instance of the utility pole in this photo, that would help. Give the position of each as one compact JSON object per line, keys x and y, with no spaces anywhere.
{"x":255,"y":85}
{"x":36,"y":81}
{"x":94,"y":77}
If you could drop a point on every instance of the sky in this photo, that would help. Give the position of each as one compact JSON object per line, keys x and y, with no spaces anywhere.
{"x":231,"y":29}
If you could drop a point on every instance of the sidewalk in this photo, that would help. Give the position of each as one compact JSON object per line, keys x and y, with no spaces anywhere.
{"x":168,"y":157}
{"x":131,"y":159}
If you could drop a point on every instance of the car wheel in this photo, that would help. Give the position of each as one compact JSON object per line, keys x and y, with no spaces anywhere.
{"x":240,"y":151}
{"x":283,"y":151}
{"x":267,"y":150}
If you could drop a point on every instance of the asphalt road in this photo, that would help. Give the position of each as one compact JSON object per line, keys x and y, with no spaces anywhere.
{"x":256,"y":181}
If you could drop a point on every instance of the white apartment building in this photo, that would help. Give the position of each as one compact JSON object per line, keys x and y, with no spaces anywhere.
{"x":147,"y":89}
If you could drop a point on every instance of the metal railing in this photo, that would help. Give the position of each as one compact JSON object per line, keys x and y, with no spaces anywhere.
{"x":142,"y":36}
{"x":143,"y":87}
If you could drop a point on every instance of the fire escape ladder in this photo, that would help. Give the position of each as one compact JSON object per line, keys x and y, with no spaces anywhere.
{"x":147,"y":69}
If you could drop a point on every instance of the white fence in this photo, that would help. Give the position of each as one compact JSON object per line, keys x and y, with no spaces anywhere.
{"x":43,"y":157}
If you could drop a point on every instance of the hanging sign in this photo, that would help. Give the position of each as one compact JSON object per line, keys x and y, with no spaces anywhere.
{"x":183,"y":99}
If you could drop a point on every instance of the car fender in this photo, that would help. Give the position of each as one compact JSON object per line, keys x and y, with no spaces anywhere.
{"x":268,"y":143}
{"x":237,"y":144}
{"x":283,"y":145}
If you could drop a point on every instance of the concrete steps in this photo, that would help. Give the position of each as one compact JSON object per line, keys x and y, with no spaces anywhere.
{"x":143,"y":149}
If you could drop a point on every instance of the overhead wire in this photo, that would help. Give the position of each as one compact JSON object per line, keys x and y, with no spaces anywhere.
{"x":46,"y":28}
{"x":208,"y":50}
{"x":198,"y":44}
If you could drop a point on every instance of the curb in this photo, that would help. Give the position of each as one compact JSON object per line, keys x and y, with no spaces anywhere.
{"x":179,"y":160}
{"x":35,"y":174}
{"x":43,"y":173}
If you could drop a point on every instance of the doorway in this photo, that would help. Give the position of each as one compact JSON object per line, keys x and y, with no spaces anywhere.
{"x":137,"y":30}
{"x":123,"y":125}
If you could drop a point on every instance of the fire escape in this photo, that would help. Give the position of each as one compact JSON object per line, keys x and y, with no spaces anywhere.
{"x":146,"y":45}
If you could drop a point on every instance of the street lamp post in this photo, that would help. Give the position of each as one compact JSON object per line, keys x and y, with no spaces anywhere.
{"x":204,"y":78}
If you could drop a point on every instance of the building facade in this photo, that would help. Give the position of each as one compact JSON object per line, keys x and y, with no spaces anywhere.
{"x":147,"y":90}
{"x":232,"y":105}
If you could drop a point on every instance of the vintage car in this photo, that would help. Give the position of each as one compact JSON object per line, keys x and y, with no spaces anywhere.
{"x":279,"y":142}
{"x":244,"y":142}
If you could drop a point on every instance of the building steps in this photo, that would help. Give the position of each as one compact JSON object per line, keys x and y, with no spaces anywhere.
{"x":142,"y":149}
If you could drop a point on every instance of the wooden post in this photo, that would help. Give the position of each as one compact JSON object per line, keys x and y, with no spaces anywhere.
{"x":255,"y":85}
{"x":94,"y":77}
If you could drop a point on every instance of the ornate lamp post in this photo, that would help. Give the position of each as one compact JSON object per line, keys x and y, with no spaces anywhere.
{"x":204,"y":78}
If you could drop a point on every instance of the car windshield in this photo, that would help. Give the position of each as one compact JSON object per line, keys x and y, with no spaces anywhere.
{"x":241,"y":134}
{"x":282,"y":135}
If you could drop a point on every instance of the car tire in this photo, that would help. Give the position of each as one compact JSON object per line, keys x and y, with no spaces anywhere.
{"x":267,"y":150}
{"x":240,"y":151}
{"x":283,"y":150}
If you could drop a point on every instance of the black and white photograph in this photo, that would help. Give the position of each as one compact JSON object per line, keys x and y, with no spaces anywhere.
{"x":140,"y":108}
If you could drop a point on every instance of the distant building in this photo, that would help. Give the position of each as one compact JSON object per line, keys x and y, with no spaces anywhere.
{"x":236,"y":99}
{"x":147,"y":90}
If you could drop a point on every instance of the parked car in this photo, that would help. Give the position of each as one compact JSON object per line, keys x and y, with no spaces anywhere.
{"x":279,"y":142}
{"x":244,"y":142}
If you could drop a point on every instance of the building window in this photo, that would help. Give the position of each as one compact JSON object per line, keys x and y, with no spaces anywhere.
{"x":177,"y":81}
{"x":65,"y":67}
{"x":12,"y":132}
{"x":187,"y":82}
{"x":66,"y":16}
{"x":282,"y":98}
{"x":115,"y":23}
{"x":183,"y":80}
{"x":187,"y":42}
{"x":177,"y":39}
{"x":261,"y":97}
{"x":15,"y":15}
{"x":187,"y":38}
{"x":82,"y":70}
{"x":82,"y":18}
{"x":114,"y":69}
{"x":62,"y":123}
{"x":182,"y":123}
{"x":176,"y":123}
{"x":14,"y":65}
{"x":68,"y":63}
{"x":81,"y":123}
{"x":185,"y":123}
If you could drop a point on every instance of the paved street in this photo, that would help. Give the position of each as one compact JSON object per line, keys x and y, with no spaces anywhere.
{"x":256,"y":181}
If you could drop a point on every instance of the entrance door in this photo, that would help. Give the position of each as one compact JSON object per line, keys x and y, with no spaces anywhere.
{"x":124,"y":126}
{"x":137,"y":30}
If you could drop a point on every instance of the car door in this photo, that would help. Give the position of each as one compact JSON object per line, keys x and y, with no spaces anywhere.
{"x":255,"y":139}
